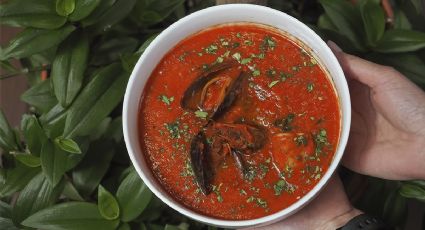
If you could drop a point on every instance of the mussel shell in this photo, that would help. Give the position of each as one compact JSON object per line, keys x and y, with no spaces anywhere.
{"x":187,"y":102}
{"x":234,"y":91}
{"x":240,"y":162}
{"x":200,"y":160}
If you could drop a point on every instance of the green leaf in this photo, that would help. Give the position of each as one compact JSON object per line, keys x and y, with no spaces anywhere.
{"x":346,"y":18}
{"x":373,"y":20}
{"x":133,"y":196}
{"x":88,"y":174}
{"x":32,"y":41}
{"x":401,"y":21}
{"x":16,"y":179}
{"x":146,"y":43}
{"x":53,"y":122}
{"x":125,"y":226}
{"x":37,"y":195}
{"x":398,"y":40}
{"x":33,"y":133}
{"x":5,"y":210}
{"x":420,"y":183}
{"x":100,"y":96}
{"x":55,"y":162}
{"x":40,"y":96}
{"x":129,"y":61}
{"x":7,"y":136}
{"x":171,"y":227}
{"x":117,"y":12}
{"x":114,"y":131}
{"x":408,"y":64}
{"x":28,"y":159}
{"x":418,"y":4}
{"x":395,"y":209}
{"x":67,"y":145}
{"x":68,"y":68}
{"x":7,"y":224}
{"x":94,"y":17}
{"x":70,"y":216}
{"x":38,"y":14}
{"x":413,"y":191}
{"x":325,"y":22}
{"x":83,"y":8}
{"x":107,"y":204}
{"x":71,"y":192}
{"x":153,"y":12}
{"x":65,"y":7}
{"x":112,"y":49}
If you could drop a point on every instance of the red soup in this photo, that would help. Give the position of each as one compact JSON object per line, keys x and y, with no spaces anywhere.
{"x":238,"y":121}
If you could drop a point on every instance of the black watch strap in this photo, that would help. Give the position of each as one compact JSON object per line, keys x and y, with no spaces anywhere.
{"x":365,"y":222}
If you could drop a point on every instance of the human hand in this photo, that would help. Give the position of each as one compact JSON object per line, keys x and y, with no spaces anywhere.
{"x":387,"y":137}
{"x":329,"y":210}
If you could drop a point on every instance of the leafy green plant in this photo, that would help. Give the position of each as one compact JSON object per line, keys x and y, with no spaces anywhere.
{"x":66,"y":166}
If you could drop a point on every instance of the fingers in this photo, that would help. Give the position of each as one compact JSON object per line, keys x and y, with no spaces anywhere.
{"x":366,"y":72}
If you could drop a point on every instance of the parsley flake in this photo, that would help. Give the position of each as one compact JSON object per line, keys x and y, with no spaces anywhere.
{"x":201,"y":114}
{"x":273,"y":83}
{"x":166,"y":100}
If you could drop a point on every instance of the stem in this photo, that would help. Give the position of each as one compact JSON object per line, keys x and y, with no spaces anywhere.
{"x":24,"y":71}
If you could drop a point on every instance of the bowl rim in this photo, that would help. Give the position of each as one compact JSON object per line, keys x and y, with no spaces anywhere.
{"x":344,"y":104}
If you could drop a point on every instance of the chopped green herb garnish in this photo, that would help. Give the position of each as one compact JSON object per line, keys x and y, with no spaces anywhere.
{"x":226,"y":54}
{"x":262,"y":203}
{"x":235,"y":45}
{"x":273,"y":83}
{"x":238,"y":35}
{"x":250,"y":174}
{"x":173,"y":129}
{"x":310,"y":87}
{"x":284,"y":76}
{"x":237,"y":56}
{"x":285,"y":123}
{"x":301,"y":140}
{"x":268,"y":43}
{"x":271,"y":72}
{"x":201,"y":114}
{"x":243,"y":192}
{"x":166,"y":100}
{"x":216,"y":190}
{"x":219,"y":60}
{"x":296,"y":68}
{"x":245,"y":61}
{"x":256,"y":73}
{"x":320,"y":141}
{"x":212,"y":49}
{"x":279,"y":187}
{"x":187,"y":170}
{"x":250,"y":199}
{"x":248,"y":42}
{"x":181,"y":57}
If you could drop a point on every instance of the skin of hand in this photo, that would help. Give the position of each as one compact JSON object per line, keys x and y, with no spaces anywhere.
{"x":387,"y":136}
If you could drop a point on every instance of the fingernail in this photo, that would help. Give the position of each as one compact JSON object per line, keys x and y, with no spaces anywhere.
{"x":334,"y":47}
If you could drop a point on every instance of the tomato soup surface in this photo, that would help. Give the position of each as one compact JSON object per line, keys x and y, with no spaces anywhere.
{"x":270,"y":145}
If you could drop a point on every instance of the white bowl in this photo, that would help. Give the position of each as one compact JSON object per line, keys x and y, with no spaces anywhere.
{"x":203,"y":19}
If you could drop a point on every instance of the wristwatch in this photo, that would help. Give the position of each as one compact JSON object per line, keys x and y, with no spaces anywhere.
{"x":365,"y":222}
